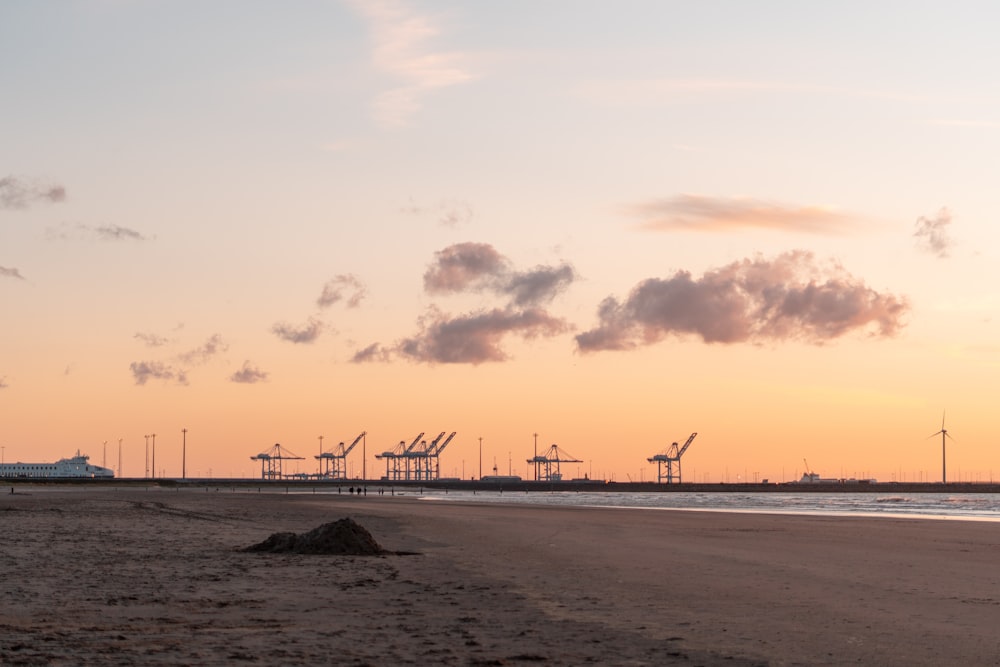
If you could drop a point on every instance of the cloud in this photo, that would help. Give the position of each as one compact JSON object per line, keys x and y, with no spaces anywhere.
{"x":3,"y":382}
{"x":450,"y":213}
{"x":400,"y":37}
{"x":248,"y":374}
{"x":201,"y":354}
{"x":480,"y":267}
{"x":10,"y":273}
{"x":90,"y":233}
{"x":373,"y":352}
{"x":538,"y":285}
{"x":17,"y":194}
{"x":476,"y":338}
{"x":932,"y":234}
{"x":463,"y":265}
{"x":151,"y":340}
{"x":700,"y":213}
{"x":307,"y":333}
{"x":753,"y":300}
{"x":117,"y":233}
{"x":335,"y":290}
{"x":143,"y":371}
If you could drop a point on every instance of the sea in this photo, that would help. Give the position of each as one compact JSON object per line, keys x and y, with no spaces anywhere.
{"x":941,"y":506}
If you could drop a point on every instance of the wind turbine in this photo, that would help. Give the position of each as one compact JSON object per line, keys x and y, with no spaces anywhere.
{"x":944,"y":435}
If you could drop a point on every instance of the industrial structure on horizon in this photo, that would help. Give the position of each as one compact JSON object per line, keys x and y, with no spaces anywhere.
{"x":547,"y":463}
{"x":671,"y":456}
{"x":271,"y":459}
{"x":420,"y":461}
{"x":333,"y":464}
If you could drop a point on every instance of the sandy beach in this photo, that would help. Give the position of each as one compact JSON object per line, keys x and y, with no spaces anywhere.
{"x":157,"y":576}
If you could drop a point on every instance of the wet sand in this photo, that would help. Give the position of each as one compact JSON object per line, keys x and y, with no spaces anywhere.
{"x":156,"y":576}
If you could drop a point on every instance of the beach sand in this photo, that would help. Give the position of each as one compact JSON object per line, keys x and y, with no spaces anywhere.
{"x":156,"y":576}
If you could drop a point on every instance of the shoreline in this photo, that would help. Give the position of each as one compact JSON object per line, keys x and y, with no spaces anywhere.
{"x":528,"y":486}
{"x":154,"y":576}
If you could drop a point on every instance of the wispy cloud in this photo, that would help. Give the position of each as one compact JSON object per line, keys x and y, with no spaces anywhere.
{"x":480,"y":267}
{"x":143,"y":371}
{"x":16,"y":193}
{"x":3,"y":382}
{"x":151,"y":339}
{"x":449,"y":213}
{"x":932,"y":234}
{"x":176,"y":369}
{"x":10,"y":273}
{"x":204,"y":352}
{"x":83,"y":232}
{"x":306,"y":333}
{"x":401,"y":38}
{"x":701,"y":213}
{"x":753,"y":300}
{"x":345,"y":287}
{"x":248,"y":374}
{"x":373,"y":352}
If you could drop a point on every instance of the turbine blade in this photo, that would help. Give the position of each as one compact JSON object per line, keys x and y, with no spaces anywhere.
{"x":934,"y":434}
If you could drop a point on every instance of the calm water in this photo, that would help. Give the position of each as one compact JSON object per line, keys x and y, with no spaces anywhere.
{"x":969,"y":506}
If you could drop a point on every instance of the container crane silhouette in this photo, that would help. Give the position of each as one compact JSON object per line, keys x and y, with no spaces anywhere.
{"x":435,"y":454}
{"x":333,"y":464}
{"x":270,"y":461}
{"x":418,"y":462}
{"x":549,"y":462}
{"x":671,"y":456}
{"x":397,"y":460}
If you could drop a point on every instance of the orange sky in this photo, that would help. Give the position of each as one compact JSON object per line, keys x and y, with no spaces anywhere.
{"x":402,"y":217}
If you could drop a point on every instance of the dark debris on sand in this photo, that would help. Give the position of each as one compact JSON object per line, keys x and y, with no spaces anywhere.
{"x":341,"y":537}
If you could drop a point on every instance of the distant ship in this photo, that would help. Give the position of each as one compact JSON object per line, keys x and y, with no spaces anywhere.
{"x":814,"y":478}
{"x":78,"y":466}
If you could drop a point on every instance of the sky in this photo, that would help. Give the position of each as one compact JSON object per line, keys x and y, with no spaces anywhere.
{"x":598,"y":225}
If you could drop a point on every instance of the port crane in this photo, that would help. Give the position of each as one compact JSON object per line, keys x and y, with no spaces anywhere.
{"x":333,"y":464}
{"x":270,"y":461}
{"x":435,"y":456}
{"x":670,"y":457}
{"x":418,"y":459}
{"x":397,"y":465}
{"x":549,"y":462}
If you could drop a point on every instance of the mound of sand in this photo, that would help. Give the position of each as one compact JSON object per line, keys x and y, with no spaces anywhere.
{"x":342,"y":537}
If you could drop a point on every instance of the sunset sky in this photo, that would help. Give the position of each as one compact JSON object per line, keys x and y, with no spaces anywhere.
{"x":611,"y":224}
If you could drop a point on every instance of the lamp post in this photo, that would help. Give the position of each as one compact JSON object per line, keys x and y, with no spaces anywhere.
{"x":320,"y":456}
{"x":535,"y":460}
